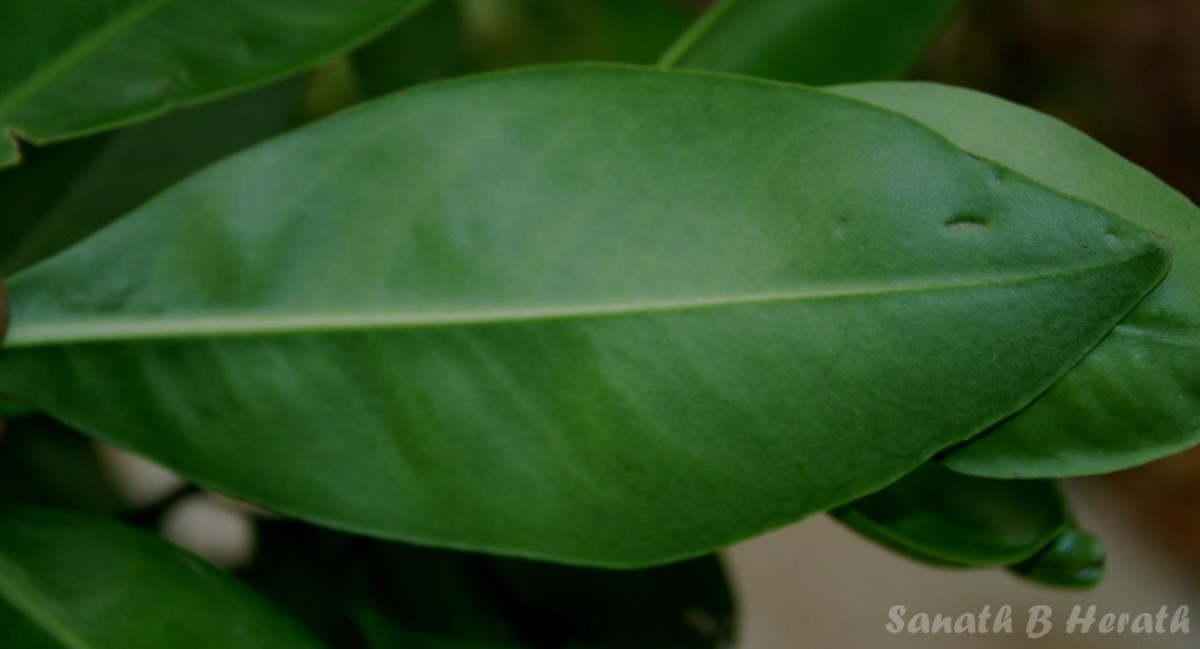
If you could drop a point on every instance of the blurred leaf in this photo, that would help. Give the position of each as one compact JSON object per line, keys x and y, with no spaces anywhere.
{"x":1136,"y":397}
{"x":811,"y":41}
{"x":675,"y":606}
{"x":330,"y":87}
{"x":71,"y":581}
{"x":433,"y":597}
{"x":383,"y":632}
{"x":940,"y":516}
{"x":44,"y":463}
{"x":76,"y":67}
{"x":456,"y":38}
{"x":431,"y":45}
{"x":29,"y":191}
{"x":510,"y":33}
{"x":13,"y":408}
{"x":309,"y":573}
{"x":65,"y":192}
{"x":688,"y":309}
{"x":1075,"y":559}
{"x":400,"y":595}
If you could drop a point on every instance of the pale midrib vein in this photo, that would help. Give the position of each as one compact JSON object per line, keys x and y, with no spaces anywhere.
{"x":93,"y":330}
{"x":84,"y":48}
{"x":36,"y":612}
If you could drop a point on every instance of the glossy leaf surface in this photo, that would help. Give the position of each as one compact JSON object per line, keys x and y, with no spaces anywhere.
{"x":689,"y":309}
{"x":811,"y":41}
{"x":1136,"y":397}
{"x":938,"y":515}
{"x":70,"y":582}
{"x":79,"y":66}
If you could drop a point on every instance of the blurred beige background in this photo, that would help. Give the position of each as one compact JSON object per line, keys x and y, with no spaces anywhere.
{"x":816,"y":584}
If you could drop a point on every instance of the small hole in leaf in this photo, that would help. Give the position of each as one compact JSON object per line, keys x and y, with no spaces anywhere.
{"x":967,"y":223}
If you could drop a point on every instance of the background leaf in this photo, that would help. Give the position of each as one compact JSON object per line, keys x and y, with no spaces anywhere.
{"x":76,"y":67}
{"x":70,"y":581}
{"x":1136,"y":397}
{"x":454,"y":38}
{"x":694,"y":308}
{"x":313,"y":591}
{"x":65,"y":192}
{"x":680,"y":605}
{"x":938,"y":515}
{"x":811,"y":41}
{"x":44,"y":463}
{"x":367,"y":593}
{"x":34,"y":36}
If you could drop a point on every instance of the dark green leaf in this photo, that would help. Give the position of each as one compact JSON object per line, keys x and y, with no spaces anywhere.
{"x":1075,"y":559}
{"x":811,"y":41}
{"x":524,"y":32}
{"x":940,"y":516}
{"x":65,"y":192}
{"x":1136,"y":397}
{"x":75,"y":67}
{"x":72,"y":582}
{"x":12,"y":408}
{"x":383,"y":632}
{"x":400,"y":595}
{"x":311,"y":574}
{"x":456,"y":38}
{"x":434,"y":598}
{"x":688,"y":309}
{"x":682,"y":605}
{"x":29,"y":191}
{"x":44,"y":463}
{"x":429,"y":46}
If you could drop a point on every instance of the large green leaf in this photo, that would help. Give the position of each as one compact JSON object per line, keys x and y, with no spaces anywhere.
{"x":64,"y":192}
{"x":74,"y":67}
{"x":683,"y":309}
{"x":1136,"y":397}
{"x":937,"y":515}
{"x":69,"y":582}
{"x":811,"y":41}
